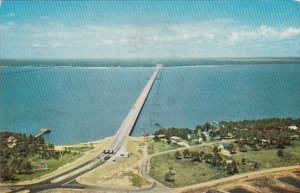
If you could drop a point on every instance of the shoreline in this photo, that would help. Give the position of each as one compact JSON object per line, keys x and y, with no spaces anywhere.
{"x":90,"y":142}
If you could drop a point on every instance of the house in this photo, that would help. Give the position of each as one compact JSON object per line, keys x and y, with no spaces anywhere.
{"x":11,"y":141}
{"x":175,"y":139}
{"x":264,"y":142}
{"x":223,"y":144}
{"x":161,"y":136}
{"x":200,"y":140}
{"x":192,"y":136}
{"x":206,"y":134}
{"x":294,"y":136}
{"x":293,"y":127}
{"x":229,"y":135}
{"x":183,"y":144}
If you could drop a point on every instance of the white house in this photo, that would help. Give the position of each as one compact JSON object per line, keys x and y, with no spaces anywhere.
{"x":293,"y":127}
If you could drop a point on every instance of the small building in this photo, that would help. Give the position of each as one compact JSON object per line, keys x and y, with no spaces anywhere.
{"x":223,"y":144}
{"x":264,"y":142}
{"x":11,"y":141}
{"x":293,"y":127}
{"x":183,"y":144}
{"x":161,"y":136}
{"x":200,"y":140}
{"x":175,"y":139}
{"x":294,"y":136}
{"x":229,"y":135}
{"x":229,"y":161}
{"x":206,"y":134}
{"x":192,"y":136}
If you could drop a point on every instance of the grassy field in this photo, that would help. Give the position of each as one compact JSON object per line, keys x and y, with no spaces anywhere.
{"x":156,"y":147}
{"x":267,"y":159}
{"x":188,"y":172}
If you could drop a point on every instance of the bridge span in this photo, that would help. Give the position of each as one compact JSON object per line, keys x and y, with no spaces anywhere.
{"x":129,"y":122}
{"x":69,"y":176}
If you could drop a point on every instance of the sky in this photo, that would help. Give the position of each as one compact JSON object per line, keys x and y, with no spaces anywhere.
{"x":150,"y":29}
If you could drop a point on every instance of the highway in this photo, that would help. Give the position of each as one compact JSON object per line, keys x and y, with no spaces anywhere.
{"x":124,"y":131}
{"x":129,"y":122}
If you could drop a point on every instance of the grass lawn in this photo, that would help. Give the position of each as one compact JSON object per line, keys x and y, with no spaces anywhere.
{"x":295,"y":143}
{"x":267,"y":159}
{"x":188,"y":172}
{"x":156,"y":147}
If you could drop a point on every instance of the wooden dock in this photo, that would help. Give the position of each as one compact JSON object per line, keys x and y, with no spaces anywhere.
{"x":43,"y":131}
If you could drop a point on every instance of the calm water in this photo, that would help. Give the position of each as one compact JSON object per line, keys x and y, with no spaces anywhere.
{"x":84,"y":104}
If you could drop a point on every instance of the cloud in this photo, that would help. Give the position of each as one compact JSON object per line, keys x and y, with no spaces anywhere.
{"x":264,"y":33}
{"x":7,"y":26}
{"x":107,"y":42}
{"x":37,"y":46}
{"x":56,"y":45}
{"x":206,"y":38}
{"x":297,"y":1}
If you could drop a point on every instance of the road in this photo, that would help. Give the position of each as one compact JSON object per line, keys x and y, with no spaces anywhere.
{"x":124,"y":131}
{"x":129,"y":122}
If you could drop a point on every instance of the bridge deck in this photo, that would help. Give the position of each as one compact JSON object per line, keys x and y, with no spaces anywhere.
{"x":127,"y":125}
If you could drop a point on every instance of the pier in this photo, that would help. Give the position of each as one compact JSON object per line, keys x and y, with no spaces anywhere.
{"x":43,"y":131}
{"x":127,"y":125}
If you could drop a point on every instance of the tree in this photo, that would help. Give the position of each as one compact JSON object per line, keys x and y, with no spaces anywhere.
{"x":199,"y":128}
{"x":169,"y":141}
{"x":186,"y":153}
{"x":215,"y":150}
{"x":170,"y":176}
{"x":229,"y":169}
{"x":27,"y":167}
{"x":243,"y":161}
{"x":218,"y":158}
{"x":208,"y":158}
{"x":234,"y":167}
{"x":255,"y":165}
{"x":201,"y":154}
{"x":231,"y":148}
{"x":156,"y":138}
{"x":6,"y":174}
{"x":177,"y":155}
{"x":280,"y":153}
{"x":243,"y":149}
{"x":203,"y":137}
{"x":195,"y":156}
{"x":207,"y":126}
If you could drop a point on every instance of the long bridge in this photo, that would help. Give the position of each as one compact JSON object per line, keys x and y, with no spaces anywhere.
{"x":129,"y":122}
{"x":124,"y":131}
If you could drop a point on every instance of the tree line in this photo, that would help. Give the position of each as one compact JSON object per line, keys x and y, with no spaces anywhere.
{"x":16,"y":155}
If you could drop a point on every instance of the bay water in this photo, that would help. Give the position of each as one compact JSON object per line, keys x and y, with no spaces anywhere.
{"x":81,"y":104}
